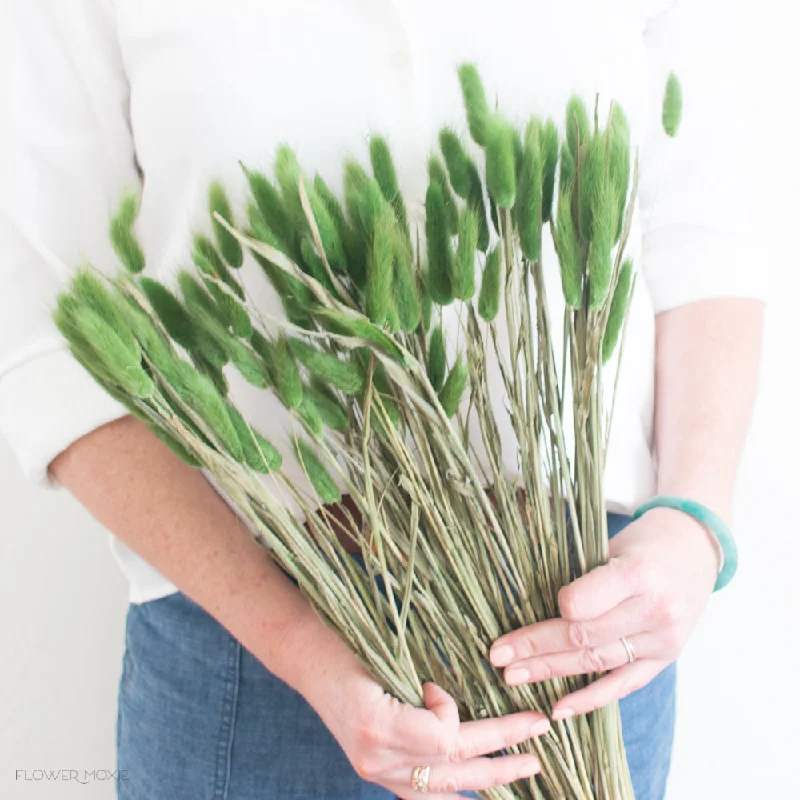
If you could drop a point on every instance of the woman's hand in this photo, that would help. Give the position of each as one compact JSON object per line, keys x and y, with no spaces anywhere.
{"x":385,"y":739}
{"x":653,"y":591}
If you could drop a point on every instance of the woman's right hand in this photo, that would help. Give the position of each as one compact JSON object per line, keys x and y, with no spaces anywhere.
{"x":385,"y":739}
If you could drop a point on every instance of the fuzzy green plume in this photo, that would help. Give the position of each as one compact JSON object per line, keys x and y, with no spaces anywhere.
{"x":672,"y":108}
{"x":197,"y":300}
{"x":123,"y":238}
{"x":354,"y":250}
{"x":328,"y":231}
{"x":288,"y":175}
{"x":312,"y":264}
{"x":501,"y":160}
{"x":347,"y":376}
{"x":618,"y":138}
{"x":405,"y":288}
{"x":577,"y":124}
{"x":360,"y":328}
{"x":458,"y":162}
{"x":599,"y":267}
{"x":363,"y":200}
{"x":569,"y":258}
{"x":231,"y":309}
{"x":270,"y":205}
{"x":286,"y":376}
{"x":437,"y":358}
{"x":90,"y":290}
{"x":320,"y":478}
{"x":450,"y":394}
{"x":549,"y":147}
{"x":440,"y":253}
{"x":426,"y":300}
{"x":592,"y":179}
{"x":383,"y":168}
{"x":257,"y":452}
{"x":478,"y":114}
{"x":251,"y":368}
{"x":169,"y":310}
{"x":212,"y":371}
{"x":229,"y":246}
{"x":616,"y":314}
{"x":309,"y":413}
{"x":462,"y":278}
{"x":528,"y":209}
{"x":330,"y":410}
{"x":566,"y":175}
{"x":380,"y":266}
{"x":491,"y":285}
{"x":265,"y":350}
{"x":210,"y":263}
{"x":476,"y":203}
{"x":157,"y":347}
{"x":437,"y":172}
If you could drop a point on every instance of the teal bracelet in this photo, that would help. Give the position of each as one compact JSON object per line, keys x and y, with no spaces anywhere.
{"x":705,"y":516}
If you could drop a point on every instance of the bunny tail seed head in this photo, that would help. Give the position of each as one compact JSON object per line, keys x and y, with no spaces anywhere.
{"x":672,"y":109}
{"x":328,"y":231}
{"x":616,"y":314}
{"x":169,"y":310}
{"x":123,"y":238}
{"x":501,"y":160}
{"x":550,"y":156}
{"x":457,"y":160}
{"x":229,"y":246}
{"x":319,"y":477}
{"x":437,"y":172}
{"x":257,"y":452}
{"x":380,"y":266}
{"x":270,"y":205}
{"x":599,"y":266}
{"x":437,"y":358}
{"x":453,"y":389}
{"x":528,"y":209}
{"x":476,"y":202}
{"x":491,"y":284}
{"x":286,"y":375}
{"x":405,"y":289}
{"x":462,"y":278}
{"x":440,"y":254}
{"x":577,"y":124}
{"x":568,"y":251}
{"x":477,"y":108}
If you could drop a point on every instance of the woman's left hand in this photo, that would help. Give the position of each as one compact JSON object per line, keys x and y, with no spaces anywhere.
{"x":653,"y":590}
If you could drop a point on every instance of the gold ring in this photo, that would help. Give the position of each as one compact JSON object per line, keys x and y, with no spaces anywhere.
{"x":419,"y":779}
{"x":628,"y":649}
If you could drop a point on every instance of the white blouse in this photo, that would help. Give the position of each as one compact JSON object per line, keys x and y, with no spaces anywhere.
{"x":166,"y":95}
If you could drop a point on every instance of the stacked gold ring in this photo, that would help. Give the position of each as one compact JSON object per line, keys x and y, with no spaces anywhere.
{"x":419,"y":779}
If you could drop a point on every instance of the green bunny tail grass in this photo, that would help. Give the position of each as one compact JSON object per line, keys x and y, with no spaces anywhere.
{"x":577,"y":124}
{"x":528,"y":209}
{"x":599,"y":267}
{"x":491,"y":285}
{"x":339,"y":323}
{"x":328,"y":406}
{"x":286,"y":376}
{"x":251,"y":368}
{"x":211,"y":370}
{"x":450,"y":394}
{"x":426,"y":300}
{"x":550,"y":162}
{"x":437,"y":358}
{"x":153,"y":343}
{"x":439,"y":251}
{"x":385,"y":175}
{"x":569,"y":257}
{"x":309,"y":413}
{"x":198,"y":392}
{"x":123,"y":238}
{"x":591,"y":185}
{"x":457,"y":160}
{"x":566,"y":175}
{"x":616,"y":314}
{"x":437,"y":172}
{"x":405,"y":288}
{"x":380,"y":266}
{"x":501,"y":161}
{"x":328,"y":230}
{"x":462,"y":278}
{"x":90,"y":290}
{"x":476,"y":203}
{"x":354,"y":251}
{"x":265,"y":350}
{"x":618,"y":139}
{"x":478,"y":114}
{"x":270,"y":205}
{"x":169,"y":310}
{"x":347,"y":376}
{"x":210,"y":263}
{"x":229,"y":246}
{"x":672,"y":108}
{"x":288,"y":175}
{"x":231,"y":309}
{"x":257,"y":452}
{"x":320,"y":478}
{"x":198,"y":301}
{"x":313,"y":265}
{"x":177,"y":447}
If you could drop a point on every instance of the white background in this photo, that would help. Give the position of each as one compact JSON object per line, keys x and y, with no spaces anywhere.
{"x":62,"y":600}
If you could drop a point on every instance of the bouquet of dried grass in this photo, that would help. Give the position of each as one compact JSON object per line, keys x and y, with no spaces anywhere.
{"x":385,"y":413}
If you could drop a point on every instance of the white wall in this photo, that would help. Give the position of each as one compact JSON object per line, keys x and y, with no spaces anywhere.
{"x":62,"y":601}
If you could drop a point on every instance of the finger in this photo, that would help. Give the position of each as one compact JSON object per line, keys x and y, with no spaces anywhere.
{"x":481,"y":737}
{"x":599,"y":591}
{"x":560,"y":635}
{"x":474,"y":775}
{"x":418,"y":731}
{"x":587,"y":661}
{"x":614,"y":686}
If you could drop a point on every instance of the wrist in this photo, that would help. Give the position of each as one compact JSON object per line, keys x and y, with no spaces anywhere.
{"x":691,"y":532}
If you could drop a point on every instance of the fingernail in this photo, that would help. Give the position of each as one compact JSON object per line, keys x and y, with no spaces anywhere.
{"x":562,"y":713}
{"x":540,"y":727}
{"x":502,"y":656}
{"x":514,"y":677}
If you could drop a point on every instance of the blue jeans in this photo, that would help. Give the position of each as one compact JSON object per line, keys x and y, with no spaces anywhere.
{"x":201,"y":719}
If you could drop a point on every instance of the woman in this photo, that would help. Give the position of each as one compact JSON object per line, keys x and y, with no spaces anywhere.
{"x":231,"y":686}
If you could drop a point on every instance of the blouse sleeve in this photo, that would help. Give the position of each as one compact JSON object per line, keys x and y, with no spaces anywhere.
{"x":698,"y":193}
{"x":67,"y":156}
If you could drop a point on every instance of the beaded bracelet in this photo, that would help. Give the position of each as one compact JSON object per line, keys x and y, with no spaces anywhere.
{"x":705,"y":516}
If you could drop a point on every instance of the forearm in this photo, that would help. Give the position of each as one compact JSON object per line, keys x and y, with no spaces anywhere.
{"x":707,"y":360}
{"x":169,"y":514}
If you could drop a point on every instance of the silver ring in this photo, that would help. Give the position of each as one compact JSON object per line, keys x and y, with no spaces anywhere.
{"x":628,"y":649}
{"x":419,"y":779}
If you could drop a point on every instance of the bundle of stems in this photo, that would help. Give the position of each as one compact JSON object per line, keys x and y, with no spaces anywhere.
{"x":455,"y":550}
